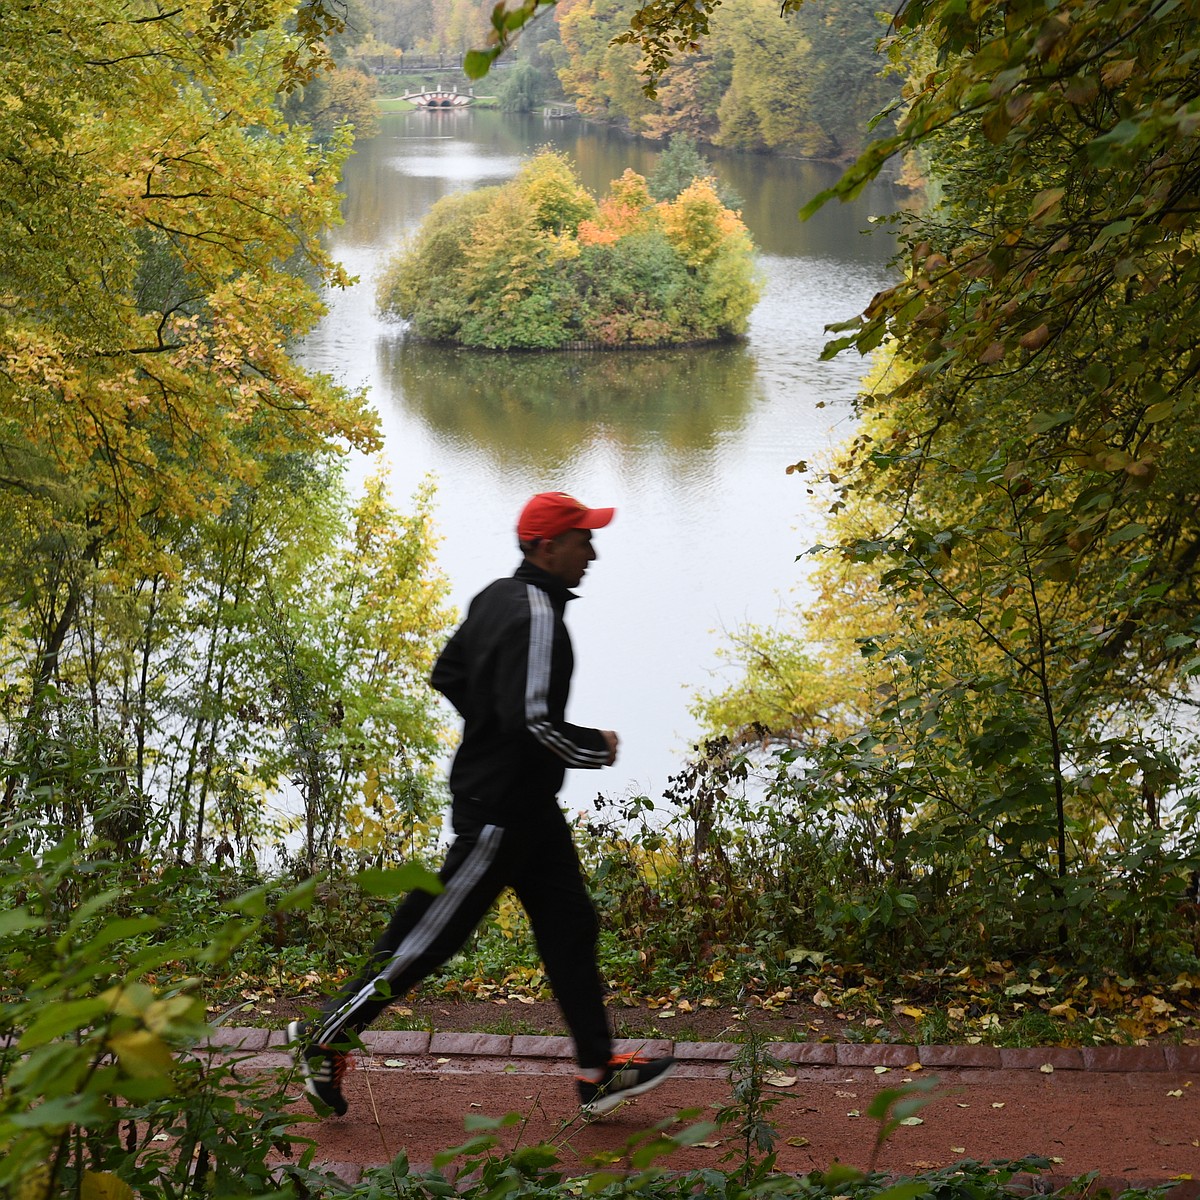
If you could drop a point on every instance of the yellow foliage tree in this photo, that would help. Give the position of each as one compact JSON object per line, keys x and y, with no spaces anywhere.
{"x":159,"y":243}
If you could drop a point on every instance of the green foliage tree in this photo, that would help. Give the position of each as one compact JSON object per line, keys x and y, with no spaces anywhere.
{"x":521,"y":89}
{"x":681,"y":163}
{"x":1020,"y":497}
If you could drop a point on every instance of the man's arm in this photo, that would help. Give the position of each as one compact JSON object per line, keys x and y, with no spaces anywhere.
{"x":523,"y":692}
{"x":450,"y":673}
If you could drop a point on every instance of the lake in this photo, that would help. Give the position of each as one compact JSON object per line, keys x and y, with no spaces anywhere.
{"x":690,"y":445}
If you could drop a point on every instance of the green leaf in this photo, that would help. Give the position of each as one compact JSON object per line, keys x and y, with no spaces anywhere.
{"x":18,"y":920}
{"x":143,"y":1054}
{"x":477,"y":63}
{"x":904,"y":1191}
{"x":62,"y":1111}
{"x":66,"y":1016}
{"x":474,"y":1122}
{"x":391,"y":881}
{"x":1042,"y":422}
{"x":1127,"y":533}
{"x":1111,"y":230}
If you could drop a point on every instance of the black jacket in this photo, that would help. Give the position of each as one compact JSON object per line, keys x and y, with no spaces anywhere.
{"x":507,"y":670}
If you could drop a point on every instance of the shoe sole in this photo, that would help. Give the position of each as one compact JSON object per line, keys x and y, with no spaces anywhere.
{"x":605,"y":1104}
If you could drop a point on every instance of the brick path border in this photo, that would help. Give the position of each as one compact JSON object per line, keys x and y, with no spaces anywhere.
{"x":842,"y":1054}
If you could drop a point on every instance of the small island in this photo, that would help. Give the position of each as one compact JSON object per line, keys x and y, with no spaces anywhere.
{"x":539,"y":264}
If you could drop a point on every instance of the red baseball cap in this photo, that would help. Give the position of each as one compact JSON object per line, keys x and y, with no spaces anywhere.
{"x":550,"y":513}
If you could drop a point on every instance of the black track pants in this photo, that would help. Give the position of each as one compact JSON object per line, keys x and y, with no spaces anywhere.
{"x":538,"y":860}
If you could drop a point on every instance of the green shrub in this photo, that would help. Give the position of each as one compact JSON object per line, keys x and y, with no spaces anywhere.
{"x":536,"y":264}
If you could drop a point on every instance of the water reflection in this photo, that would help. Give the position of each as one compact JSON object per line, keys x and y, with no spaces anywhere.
{"x":543,"y":407}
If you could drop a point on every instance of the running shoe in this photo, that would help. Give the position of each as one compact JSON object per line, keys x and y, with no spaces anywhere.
{"x":321,"y":1067}
{"x":626,"y":1076}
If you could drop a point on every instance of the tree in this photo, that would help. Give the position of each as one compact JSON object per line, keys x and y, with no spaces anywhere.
{"x":682,"y":163}
{"x":1022,"y":484}
{"x":808,"y":84}
{"x":146,"y":356}
{"x":600,"y":75}
{"x":158,"y":444}
{"x":1024,"y":468}
{"x":521,"y":89}
{"x":338,"y":99}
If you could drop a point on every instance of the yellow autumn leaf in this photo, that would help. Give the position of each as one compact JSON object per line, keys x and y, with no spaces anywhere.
{"x":142,"y":1054}
{"x":104,"y":1185}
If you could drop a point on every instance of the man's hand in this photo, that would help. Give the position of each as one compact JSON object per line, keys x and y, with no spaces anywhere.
{"x":610,"y":740}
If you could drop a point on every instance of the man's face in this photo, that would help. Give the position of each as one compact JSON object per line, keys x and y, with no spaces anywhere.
{"x":566,"y":557}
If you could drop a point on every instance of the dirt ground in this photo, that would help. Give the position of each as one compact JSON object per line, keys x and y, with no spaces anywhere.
{"x":1129,"y":1127}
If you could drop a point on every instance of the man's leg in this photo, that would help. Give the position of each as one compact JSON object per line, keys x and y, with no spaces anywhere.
{"x":551,"y":887}
{"x":424,"y":932}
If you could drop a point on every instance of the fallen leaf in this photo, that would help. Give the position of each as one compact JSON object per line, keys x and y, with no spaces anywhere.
{"x":964,"y":1105}
{"x":958,"y":1149}
{"x":1046,"y":1069}
{"x":779,"y":1079}
{"x":997,"y":1103}
{"x":665,"y":1015}
{"x":854,"y":1113}
{"x":847,"y":1095}
{"x":442,"y":1060}
{"x":882,"y":1070}
{"x":797,"y":1141}
{"x":1176,"y":1092}
{"x":912,"y":1121}
{"x":394,"y":1062}
{"x":706,"y":1145}
{"x":913,"y":1067}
